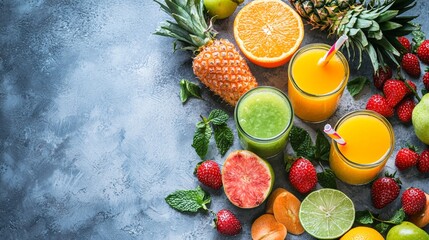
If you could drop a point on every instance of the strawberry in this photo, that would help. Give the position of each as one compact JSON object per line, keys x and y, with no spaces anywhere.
{"x":405,"y":110}
{"x":413,"y":201}
{"x":227,"y":223}
{"x":395,"y":91}
{"x":423,"y":162}
{"x":411,"y":65}
{"x":405,"y":42}
{"x":379,"y":104}
{"x":406,"y":158}
{"x":384,"y":190}
{"x":302,"y":175}
{"x":381,"y":76}
{"x":208,"y":173}
{"x":426,"y":79}
{"x":423,"y":51}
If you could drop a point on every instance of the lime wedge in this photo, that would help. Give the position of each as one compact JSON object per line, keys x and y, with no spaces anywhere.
{"x":327,"y":213}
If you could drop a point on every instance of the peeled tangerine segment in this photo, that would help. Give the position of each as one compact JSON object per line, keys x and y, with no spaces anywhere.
{"x":285,"y":207}
{"x":266,"y":227}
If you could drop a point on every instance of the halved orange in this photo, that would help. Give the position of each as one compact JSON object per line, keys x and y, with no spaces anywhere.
{"x":268,"y":32}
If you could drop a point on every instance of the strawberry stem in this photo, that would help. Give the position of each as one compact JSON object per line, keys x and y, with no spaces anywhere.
{"x":413,"y":91}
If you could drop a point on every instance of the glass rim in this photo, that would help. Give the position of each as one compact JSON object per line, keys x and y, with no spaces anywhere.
{"x":384,"y":121}
{"x":322,"y":46}
{"x":272,"y":89}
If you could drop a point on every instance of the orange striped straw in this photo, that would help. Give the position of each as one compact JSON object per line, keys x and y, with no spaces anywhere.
{"x":337,"y":45}
{"x":334,"y":135}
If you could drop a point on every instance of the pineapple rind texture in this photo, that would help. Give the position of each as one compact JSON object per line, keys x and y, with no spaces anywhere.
{"x":223,"y":70}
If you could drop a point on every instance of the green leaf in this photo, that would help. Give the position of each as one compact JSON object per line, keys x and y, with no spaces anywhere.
{"x":193,"y":89}
{"x":424,"y":91}
{"x":382,"y":227}
{"x":289,"y":160}
{"x":327,"y":179}
{"x":398,"y":217}
{"x":218,"y":117}
{"x":183,"y":91}
{"x":387,"y":15}
{"x":201,"y":140}
{"x":189,"y":89}
{"x":356,"y":85}
{"x":224,"y":138}
{"x":301,"y":142}
{"x":322,"y":147}
{"x":188,"y":200}
{"x":364,"y":217}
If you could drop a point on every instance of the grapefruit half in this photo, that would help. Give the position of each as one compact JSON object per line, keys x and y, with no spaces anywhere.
{"x":247,"y":179}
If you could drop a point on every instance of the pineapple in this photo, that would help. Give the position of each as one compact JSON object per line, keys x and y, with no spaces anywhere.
{"x":217,"y":63}
{"x":372,"y":28}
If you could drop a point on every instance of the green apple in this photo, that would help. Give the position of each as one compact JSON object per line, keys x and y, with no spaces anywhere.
{"x":221,"y":9}
{"x":406,"y":231}
{"x":420,"y":119}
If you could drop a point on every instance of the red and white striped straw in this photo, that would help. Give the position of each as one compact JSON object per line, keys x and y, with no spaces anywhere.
{"x":325,"y":59}
{"x":334,"y":135}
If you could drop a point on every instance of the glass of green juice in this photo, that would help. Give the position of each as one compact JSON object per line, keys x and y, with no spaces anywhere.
{"x":263,"y":117}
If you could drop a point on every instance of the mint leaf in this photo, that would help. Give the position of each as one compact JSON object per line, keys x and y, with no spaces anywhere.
{"x":201,"y":139}
{"x":364,"y":217}
{"x":418,"y":38}
{"x":322,"y":147}
{"x":224,"y":138}
{"x":189,"y":89}
{"x":356,"y":85}
{"x":301,"y":142}
{"x":188,"y":200}
{"x":382,"y":227}
{"x":183,"y":92}
{"x":193,"y":89}
{"x":398,"y":217}
{"x":327,"y":179}
{"x":218,"y":117}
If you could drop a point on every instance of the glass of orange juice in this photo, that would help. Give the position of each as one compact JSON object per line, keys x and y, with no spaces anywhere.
{"x":315,"y":90}
{"x":369,"y":141}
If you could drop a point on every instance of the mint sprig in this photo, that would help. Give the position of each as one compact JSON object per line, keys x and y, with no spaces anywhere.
{"x":303,"y":146}
{"x":188,"y":200}
{"x":356,"y":85}
{"x":189,"y":89}
{"x":217,"y":123}
{"x":366,"y":217}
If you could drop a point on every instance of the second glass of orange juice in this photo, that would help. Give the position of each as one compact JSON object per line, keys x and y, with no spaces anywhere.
{"x":315,"y":90}
{"x":369,"y":141}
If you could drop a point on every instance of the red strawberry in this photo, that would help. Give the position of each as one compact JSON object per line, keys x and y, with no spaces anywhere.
{"x":411,"y":65}
{"x":423,"y":51}
{"x":405,"y":42}
{"x":227,"y":223}
{"x":208,"y":173}
{"x":384,"y":190}
{"x":381,"y":76}
{"x":413,"y":201}
{"x":409,"y":85}
{"x":423,"y":162}
{"x":406,"y":158}
{"x":405,"y":110}
{"x":395,"y":91}
{"x":302,"y":175}
{"x":379,"y":104}
{"x":426,"y":79}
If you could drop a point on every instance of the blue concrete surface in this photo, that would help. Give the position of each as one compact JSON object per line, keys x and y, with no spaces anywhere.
{"x":93,"y":135}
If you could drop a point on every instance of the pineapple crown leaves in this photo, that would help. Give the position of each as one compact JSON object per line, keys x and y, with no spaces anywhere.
{"x":189,"y":26}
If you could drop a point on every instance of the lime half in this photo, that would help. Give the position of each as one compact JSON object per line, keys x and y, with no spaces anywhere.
{"x":327,"y":213}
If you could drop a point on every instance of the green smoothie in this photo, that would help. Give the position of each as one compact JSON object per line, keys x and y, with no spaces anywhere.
{"x":264,"y":117}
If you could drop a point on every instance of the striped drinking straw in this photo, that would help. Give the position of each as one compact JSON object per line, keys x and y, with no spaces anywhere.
{"x":325,"y":59}
{"x":334,"y":135}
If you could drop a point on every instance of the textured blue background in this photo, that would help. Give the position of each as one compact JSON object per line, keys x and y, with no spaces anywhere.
{"x":93,"y":135}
